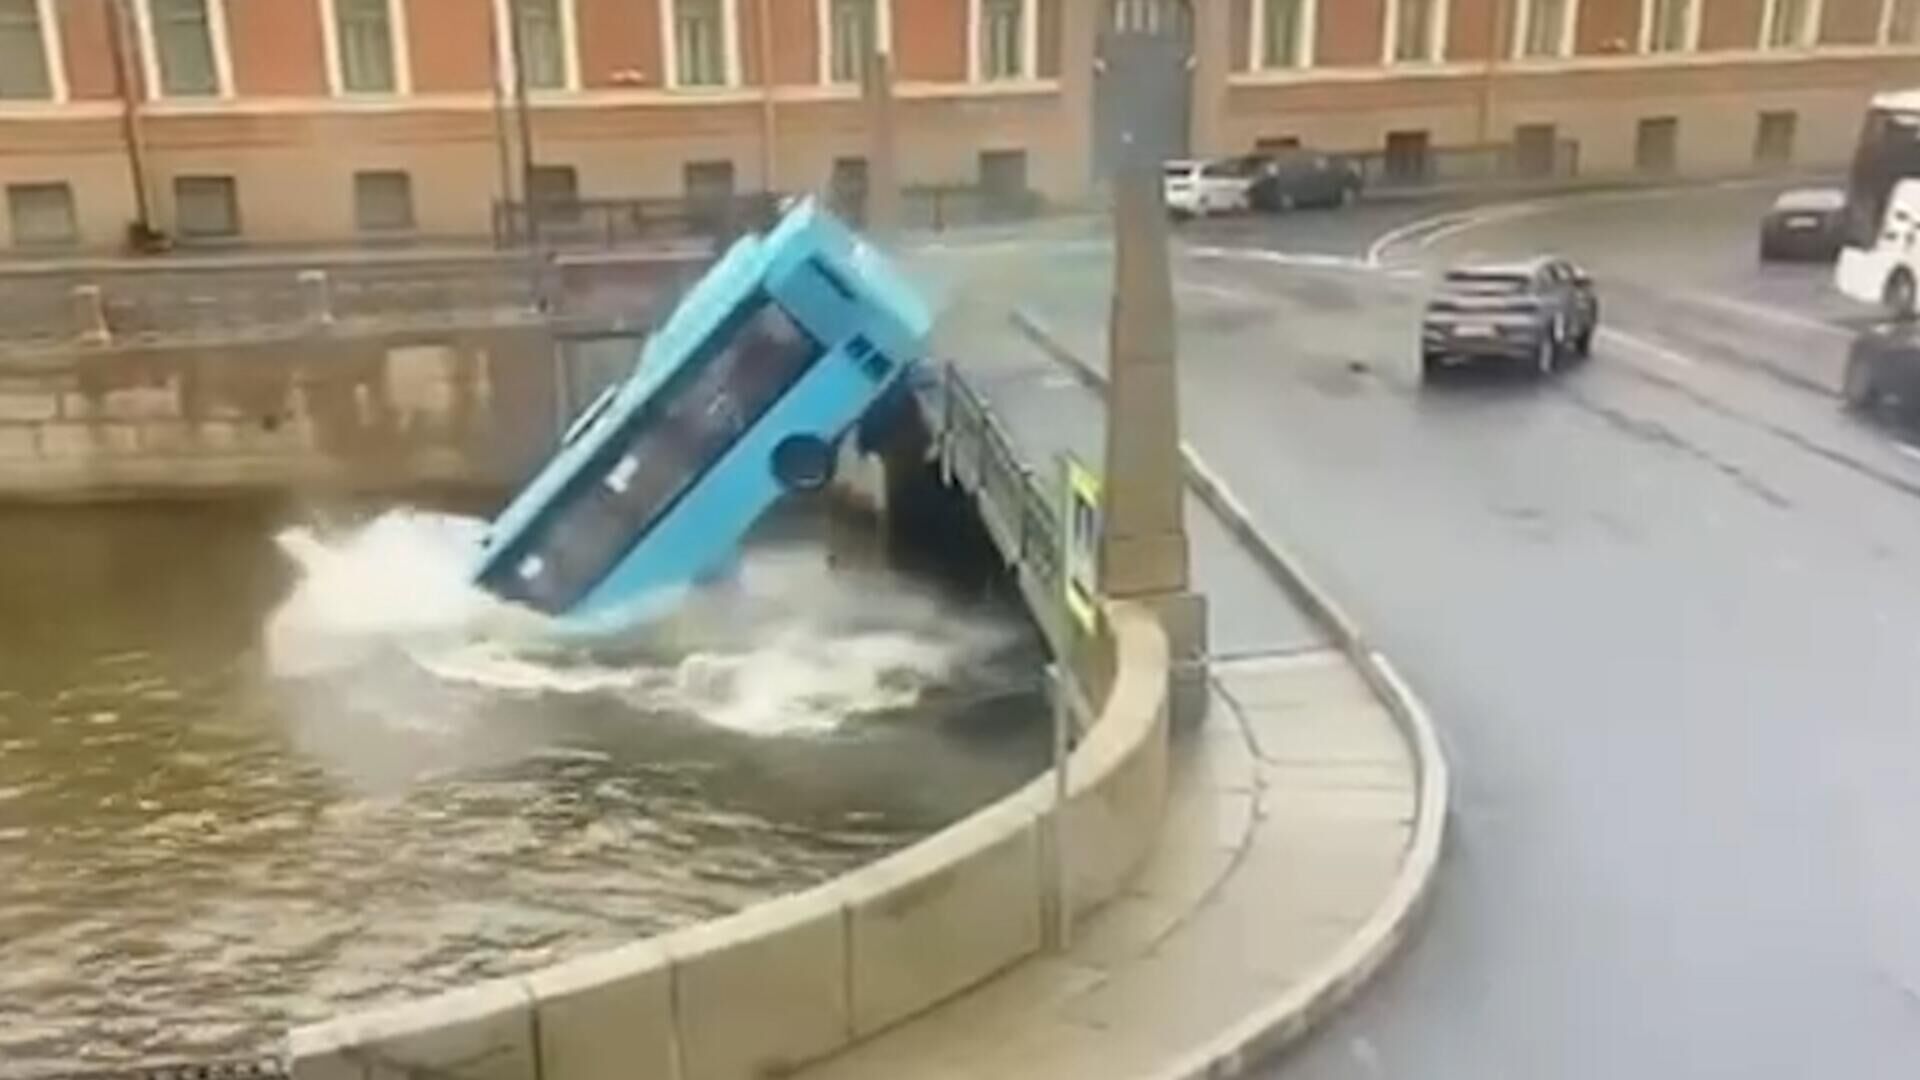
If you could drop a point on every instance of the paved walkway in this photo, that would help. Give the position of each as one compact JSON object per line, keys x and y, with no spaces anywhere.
{"x":1291,"y":810}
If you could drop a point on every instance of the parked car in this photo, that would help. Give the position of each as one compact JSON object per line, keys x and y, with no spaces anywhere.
{"x":1199,"y":188}
{"x":1541,"y":312}
{"x":1295,"y":178}
{"x":1883,"y":369}
{"x":1803,"y":224}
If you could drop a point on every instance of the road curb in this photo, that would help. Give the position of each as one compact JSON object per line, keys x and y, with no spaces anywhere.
{"x":1304,"y":1006}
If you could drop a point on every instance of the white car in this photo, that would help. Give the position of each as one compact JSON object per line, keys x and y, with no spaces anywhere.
{"x":1199,"y":188}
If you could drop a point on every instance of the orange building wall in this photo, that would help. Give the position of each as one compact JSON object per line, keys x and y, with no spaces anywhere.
{"x":1731,"y":24}
{"x":1607,"y":27}
{"x":452,"y":49}
{"x":86,"y":47}
{"x":1850,"y":22}
{"x":796,"y":41}
{"x":619,"y":36}
{"x":1349,"y":34}
{"x":931,"y":38}
{"x":1469,"y":22}
{"x":277,"y":49}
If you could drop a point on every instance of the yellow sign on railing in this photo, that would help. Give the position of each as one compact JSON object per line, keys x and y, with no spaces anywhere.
{"x":1080,"y":537}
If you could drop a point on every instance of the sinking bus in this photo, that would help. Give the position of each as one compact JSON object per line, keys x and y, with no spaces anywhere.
{"x":744,"y":394}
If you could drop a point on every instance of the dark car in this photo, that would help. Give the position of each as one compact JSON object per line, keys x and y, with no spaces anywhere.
{"x":1296,"y":178}
{"x":1541,"y":312}
{"x":1883,"y":369}
{"x":1803,"y":224}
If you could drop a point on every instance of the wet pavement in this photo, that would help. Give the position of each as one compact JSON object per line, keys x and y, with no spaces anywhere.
{"x":1664,"y":608}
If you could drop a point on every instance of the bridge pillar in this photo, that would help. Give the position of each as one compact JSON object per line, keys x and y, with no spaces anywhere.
{"x":1143,"y":548}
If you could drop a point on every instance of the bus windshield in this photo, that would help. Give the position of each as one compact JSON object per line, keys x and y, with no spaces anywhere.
{"x":1889,"y":151}
{"x":693,"y":419}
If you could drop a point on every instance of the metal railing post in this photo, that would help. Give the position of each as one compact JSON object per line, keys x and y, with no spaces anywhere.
{"x":90,"y":316}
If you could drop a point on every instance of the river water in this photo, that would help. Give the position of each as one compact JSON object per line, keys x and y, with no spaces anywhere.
{"x":260,"y":763}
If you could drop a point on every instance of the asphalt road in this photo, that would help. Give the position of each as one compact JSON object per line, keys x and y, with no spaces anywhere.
{"x":1665,"y":608}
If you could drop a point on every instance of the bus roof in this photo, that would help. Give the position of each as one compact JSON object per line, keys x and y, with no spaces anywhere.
{"x":1898,"y":101}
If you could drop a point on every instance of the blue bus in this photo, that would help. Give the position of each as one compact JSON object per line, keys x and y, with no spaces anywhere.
{"x":744,"y":394}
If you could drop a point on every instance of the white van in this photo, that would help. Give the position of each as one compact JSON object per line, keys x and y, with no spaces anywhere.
{"x":1198,"y":188}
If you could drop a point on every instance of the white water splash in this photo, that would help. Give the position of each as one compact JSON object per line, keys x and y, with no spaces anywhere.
{"x":787,"y":645}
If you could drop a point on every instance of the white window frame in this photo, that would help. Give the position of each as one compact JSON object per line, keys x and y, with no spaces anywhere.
{"x":823,"y":21}
{"x":1522,"y":21}
{"x":729,"y":49}
{"x":1029,"y":43}
{"x":1885,"y":36}
{"x":1309,"y":38}
{"x":1436,"y":52}
{"x":569,"y":48}
{"x":402,"y":51}
{"x":150,"y":52}
{"x":57,"y":93}
{"x":1692,"y":45}
{"x":1809,"y":30}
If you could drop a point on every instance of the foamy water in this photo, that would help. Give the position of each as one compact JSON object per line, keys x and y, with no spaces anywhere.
{"x":785,"y":645}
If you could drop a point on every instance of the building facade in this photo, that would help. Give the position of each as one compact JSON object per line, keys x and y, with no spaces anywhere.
{"x":317,"y":121}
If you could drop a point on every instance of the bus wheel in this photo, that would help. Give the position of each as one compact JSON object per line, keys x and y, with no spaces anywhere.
{"x":1899,"y":294}
{"x":803,"y":462}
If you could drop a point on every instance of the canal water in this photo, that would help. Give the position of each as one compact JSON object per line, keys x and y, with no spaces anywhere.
{"x":262,"y":762}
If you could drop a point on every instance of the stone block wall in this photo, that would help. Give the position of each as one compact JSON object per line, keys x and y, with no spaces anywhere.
{"x":469,"y":407}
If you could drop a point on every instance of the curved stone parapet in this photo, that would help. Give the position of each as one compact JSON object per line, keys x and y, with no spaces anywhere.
{"x":798,"y":978}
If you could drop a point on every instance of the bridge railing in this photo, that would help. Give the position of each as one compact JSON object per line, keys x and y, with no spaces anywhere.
{"x":1018,"y":507}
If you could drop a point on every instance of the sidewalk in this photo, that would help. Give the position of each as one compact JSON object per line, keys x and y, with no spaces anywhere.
{"x":1282,"y":876}
{"x":1290,"y":812}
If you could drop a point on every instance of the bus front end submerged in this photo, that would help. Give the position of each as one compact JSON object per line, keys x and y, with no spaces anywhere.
{"x":744,"y":394}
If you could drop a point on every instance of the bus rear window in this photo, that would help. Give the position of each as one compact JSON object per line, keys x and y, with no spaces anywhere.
{"x":661,"y":452}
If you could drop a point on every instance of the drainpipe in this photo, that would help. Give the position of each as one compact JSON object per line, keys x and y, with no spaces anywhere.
{"x":503,"y":213}
{"x":769,"y":133}
{"x":131,"y":88}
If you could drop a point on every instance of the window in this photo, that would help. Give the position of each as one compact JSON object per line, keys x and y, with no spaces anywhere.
{"x":183,"y":48}
{"x":1416,"y":31}
{"x":1275,"y":144}
{"x":1002,"y":39}
{"x":1901,"y":23}
{"x":1790,"y":24}
{"x":1542,"y":29}
{"x":1773,"y":139}
{"x":1407,"y":157}
{"x":1534,"y":149}
{"x":41,"y":215}
{"x":1654,"y":146}
{"x":1003,"y":183}
{"x":24,"y":73}
{"x":854,"y":31}
{"x":383,"y":201}
{"x":847,"y":188}
{"x":553,"y":185}
{"x":1286,"y":33}
{"x":543,"y":45}
{"x":1003,"y":173}
{"x":364,"y":31}
{"x":699,"y":43}
{"x":1671,"y":25}
{"x":206,"y":206}
{"x":708,"y":182}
